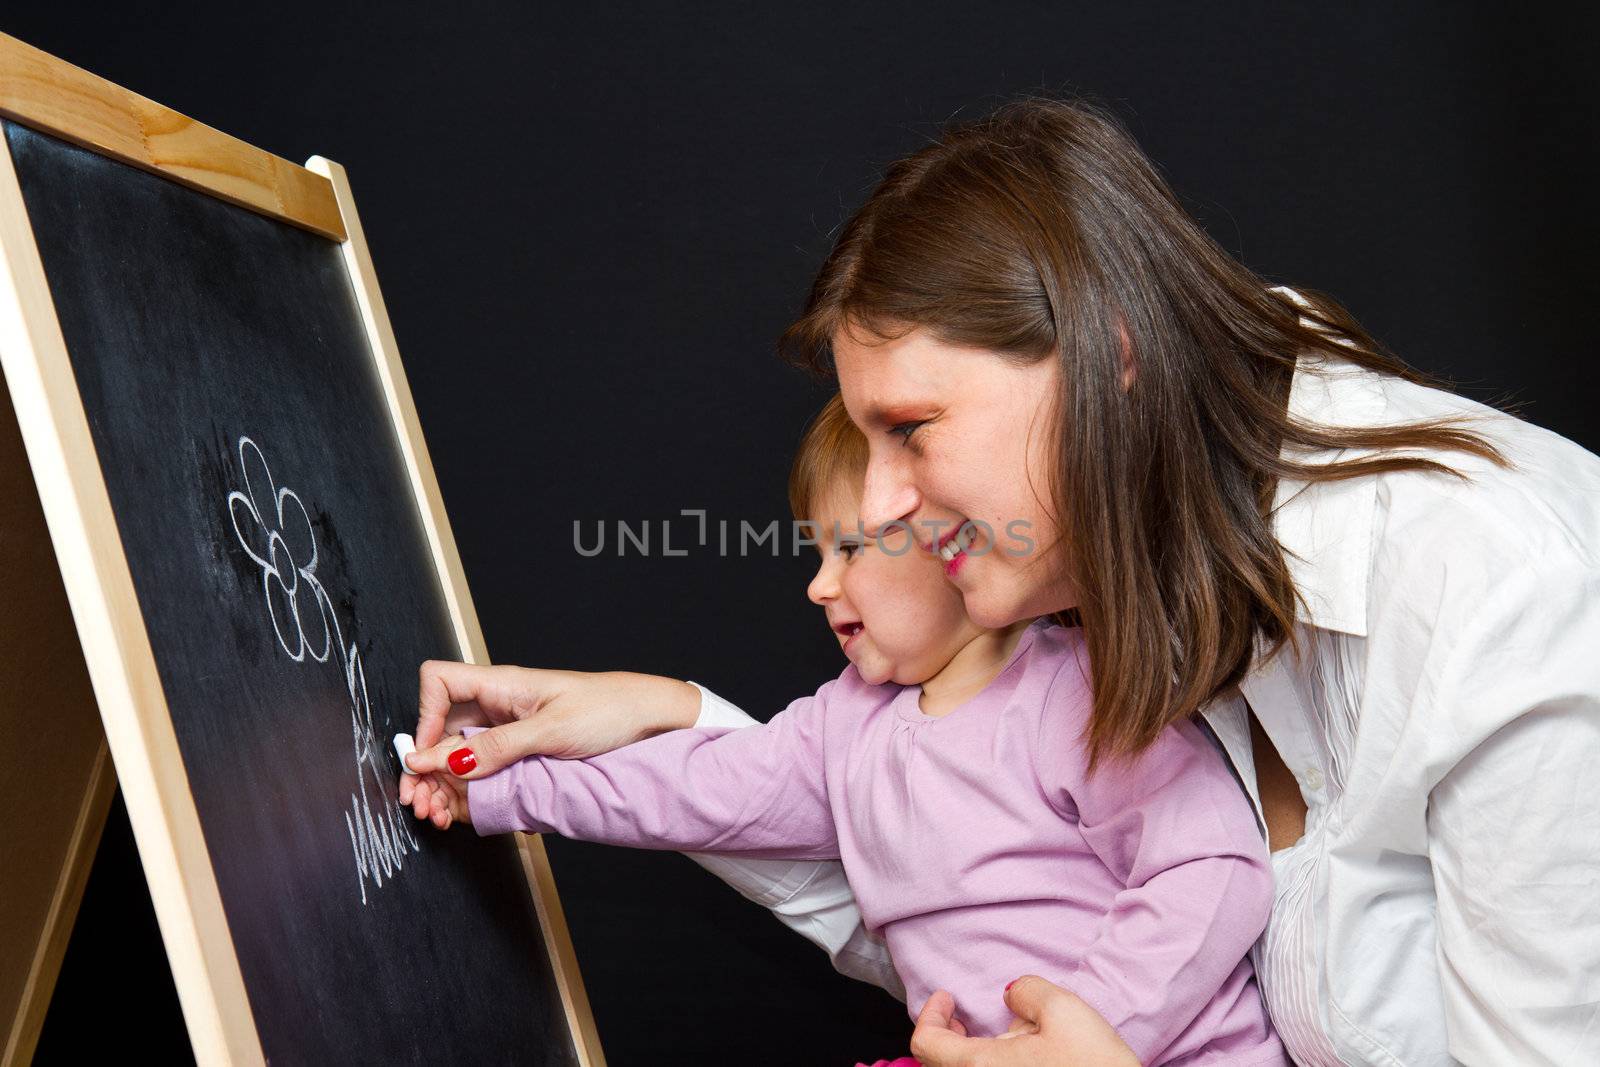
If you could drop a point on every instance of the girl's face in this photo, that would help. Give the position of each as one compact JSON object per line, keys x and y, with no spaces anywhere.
{"x":961,"y":448}
{"x":896,"y":617}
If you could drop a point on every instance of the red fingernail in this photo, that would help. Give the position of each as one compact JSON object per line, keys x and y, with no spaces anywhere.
{"x":1011,"y":983}
{"x":462,"y":761}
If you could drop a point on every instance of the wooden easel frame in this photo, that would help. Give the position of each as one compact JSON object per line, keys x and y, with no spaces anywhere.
{"x":55,"y":97}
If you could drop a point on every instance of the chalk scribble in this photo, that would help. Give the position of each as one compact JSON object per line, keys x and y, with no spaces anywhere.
{"x":274,"y":529}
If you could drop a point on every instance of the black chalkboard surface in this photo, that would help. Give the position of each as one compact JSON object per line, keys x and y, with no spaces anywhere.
{"x":289,"y":594}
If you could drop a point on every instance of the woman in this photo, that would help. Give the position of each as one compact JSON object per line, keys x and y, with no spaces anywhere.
{"x":1384,"y":599}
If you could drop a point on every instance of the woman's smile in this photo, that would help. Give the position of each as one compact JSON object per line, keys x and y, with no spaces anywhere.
{"x":953,"y":547}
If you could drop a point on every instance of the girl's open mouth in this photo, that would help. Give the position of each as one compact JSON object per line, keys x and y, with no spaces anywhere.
{"x":847,"y":632}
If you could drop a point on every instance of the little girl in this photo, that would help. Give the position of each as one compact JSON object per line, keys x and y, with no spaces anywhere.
{"x":945,"y":768}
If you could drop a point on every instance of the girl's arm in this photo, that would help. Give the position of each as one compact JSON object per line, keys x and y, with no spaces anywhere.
{"x":1175,"y":828}
{"x":574,"y":715}
{"x":757,"y":791}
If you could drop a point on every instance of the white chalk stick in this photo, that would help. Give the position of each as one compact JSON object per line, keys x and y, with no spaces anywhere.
{"x":404,"y":745}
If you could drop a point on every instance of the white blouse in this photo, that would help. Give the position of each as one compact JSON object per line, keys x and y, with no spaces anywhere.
{"x":1443,"y":905}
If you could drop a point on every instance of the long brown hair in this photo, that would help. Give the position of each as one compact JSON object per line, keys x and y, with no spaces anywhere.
{"x":1042,"y":231}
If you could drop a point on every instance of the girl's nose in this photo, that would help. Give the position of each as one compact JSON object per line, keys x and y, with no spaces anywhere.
{"x":824,"y":585}
{"x":887,"y":495}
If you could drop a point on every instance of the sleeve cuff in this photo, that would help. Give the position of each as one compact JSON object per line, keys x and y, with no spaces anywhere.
{"x":714,"y":711}
{"x":490,"y":799}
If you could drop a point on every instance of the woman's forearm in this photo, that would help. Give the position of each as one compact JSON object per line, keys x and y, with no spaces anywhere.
{"x":662,"y":703}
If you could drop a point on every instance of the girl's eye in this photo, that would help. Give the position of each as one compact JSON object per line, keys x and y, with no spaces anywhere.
{"x":905,"y":429}
{"x":848,"y":549}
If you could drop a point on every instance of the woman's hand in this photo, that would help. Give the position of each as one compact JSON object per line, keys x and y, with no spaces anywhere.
{"x":568,"y":714}
{"x":1052,"y":1028}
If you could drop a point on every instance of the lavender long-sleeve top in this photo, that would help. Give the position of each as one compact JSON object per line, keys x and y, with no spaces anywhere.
{"x":977,"y":845}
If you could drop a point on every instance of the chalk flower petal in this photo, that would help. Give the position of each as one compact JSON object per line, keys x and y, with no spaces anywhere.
{"x":294,"y":526}
{"x":285,"y":621}
{"x":312,"y":608}
{"x":258,"y":484}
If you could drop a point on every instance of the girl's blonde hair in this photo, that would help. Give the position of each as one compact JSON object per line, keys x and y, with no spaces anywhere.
{"x":832,"y":452}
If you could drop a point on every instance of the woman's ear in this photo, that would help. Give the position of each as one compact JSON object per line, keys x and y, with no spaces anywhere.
{"x":1127,"y":356}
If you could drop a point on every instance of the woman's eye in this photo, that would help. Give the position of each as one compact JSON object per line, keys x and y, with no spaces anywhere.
{"x":905,"y":429}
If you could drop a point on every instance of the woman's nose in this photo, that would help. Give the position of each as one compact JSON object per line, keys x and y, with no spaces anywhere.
{"x":888,"y":494}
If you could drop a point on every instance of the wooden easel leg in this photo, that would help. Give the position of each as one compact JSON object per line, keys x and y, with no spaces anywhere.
{"x":56,"y":775}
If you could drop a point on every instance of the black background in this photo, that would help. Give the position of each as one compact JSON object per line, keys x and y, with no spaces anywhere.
{"x":591,"y":222}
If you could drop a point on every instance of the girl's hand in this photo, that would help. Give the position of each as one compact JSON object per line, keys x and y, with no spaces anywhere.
{"x":447,"y":796}
{"x":1053,"y":1028}
{"x":526,"y":712}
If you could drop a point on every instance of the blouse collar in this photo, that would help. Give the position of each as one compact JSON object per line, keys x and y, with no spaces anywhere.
{"x":1326,"y":528}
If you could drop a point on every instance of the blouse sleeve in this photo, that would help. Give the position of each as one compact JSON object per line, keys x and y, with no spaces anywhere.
{"x":1514,"y":824}
{"x":813,"y":898}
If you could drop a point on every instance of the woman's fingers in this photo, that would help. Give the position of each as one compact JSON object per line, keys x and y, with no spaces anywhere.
{"x":1018,"y":1027}
{"x":1052,"y":1028}
{"x":442,"y":684}
{"x":1029,"y":996}
{"x":480,"y":751}
{"x":939,"y":1039}
{"x":436,"y":759}
{"x":1067,"y":1021}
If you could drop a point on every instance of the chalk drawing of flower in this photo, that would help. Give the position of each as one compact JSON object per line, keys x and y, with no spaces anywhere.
{"x":274,"y":529}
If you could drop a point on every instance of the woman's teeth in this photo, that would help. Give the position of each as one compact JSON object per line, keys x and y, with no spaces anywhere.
{"x":959,"y":543}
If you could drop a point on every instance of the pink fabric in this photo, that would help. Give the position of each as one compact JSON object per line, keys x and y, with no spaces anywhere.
{"x":976,"y":844}
{"x":903,"y":1061}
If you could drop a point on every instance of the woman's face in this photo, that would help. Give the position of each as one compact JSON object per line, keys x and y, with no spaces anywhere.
{"x":961,"y":445}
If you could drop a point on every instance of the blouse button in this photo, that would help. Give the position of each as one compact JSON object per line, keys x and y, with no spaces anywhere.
{"x":1312,"y":778}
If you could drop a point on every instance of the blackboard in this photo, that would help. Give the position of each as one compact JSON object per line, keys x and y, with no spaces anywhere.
{"x":289,"y":593}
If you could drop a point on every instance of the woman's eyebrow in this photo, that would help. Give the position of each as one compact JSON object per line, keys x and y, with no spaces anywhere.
{"x":892,"y":413}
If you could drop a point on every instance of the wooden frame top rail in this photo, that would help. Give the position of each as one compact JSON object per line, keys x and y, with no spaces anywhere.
{"x":51,"y":95}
